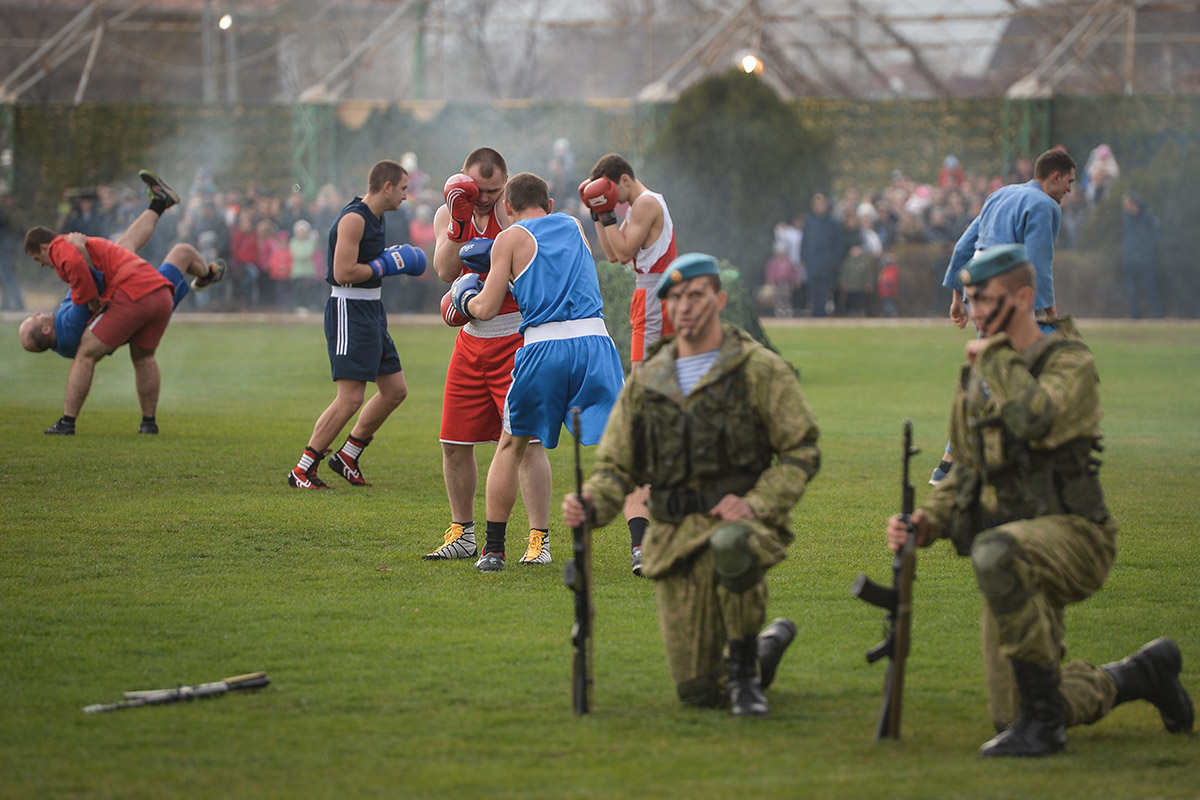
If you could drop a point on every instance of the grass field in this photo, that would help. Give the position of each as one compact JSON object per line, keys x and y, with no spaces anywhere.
{"x":132,"y":562}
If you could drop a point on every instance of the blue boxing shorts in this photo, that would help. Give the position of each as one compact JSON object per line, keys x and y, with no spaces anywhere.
{"x":552,"y":376}
{"x":356,"y":334}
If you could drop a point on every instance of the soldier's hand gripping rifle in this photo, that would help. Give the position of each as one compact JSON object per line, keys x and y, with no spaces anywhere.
{"x":577,"y":575}
{"x":897,"y":602}
{"x":156,"y":697}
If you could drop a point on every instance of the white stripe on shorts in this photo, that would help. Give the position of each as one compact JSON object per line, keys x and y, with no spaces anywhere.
{"x":343,"y":338}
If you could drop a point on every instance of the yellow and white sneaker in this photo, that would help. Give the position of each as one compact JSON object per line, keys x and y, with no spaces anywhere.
{"x":538,"y":551}
{"x":459,"y":543}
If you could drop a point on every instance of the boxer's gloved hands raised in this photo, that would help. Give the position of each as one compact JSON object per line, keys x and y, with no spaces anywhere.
{"x":476,"y":255}
{"x":583,"y":198}
{"x":600,"y":196}
{"x":461,"y":195}
{"x":465,"y":287}
{"x":400,"y":259}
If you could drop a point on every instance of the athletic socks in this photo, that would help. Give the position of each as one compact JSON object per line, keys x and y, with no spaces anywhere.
{"x":354,"y":447}
{"x":637,"y":530}
{"x":158,"y":205}
{"x":496,"y":534}
{"x":309,"y":458}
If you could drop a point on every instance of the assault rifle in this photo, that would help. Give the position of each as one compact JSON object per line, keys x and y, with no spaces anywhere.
{"x":157,"y":697}
{"x":577,"y":575}
{"x":897,"y":602}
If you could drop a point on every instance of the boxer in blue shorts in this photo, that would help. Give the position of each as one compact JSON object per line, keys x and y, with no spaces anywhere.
{"x":360,"y":347}
{"x":568,"y":358}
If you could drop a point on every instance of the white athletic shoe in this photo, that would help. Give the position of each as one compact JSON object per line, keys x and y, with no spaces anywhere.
{"x":459,"y":543}
{"x":538,"y":551}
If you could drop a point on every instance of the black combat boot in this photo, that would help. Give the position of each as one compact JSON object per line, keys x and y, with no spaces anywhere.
{"x":1152,"y":673}
{"x":1040,"y":730}
{"x":770,"y":645}
{"x":745,"y":694}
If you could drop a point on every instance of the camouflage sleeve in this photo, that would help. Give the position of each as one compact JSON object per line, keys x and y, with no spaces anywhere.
{"x":938,"y":505}
{"x":1059,"y":405}
{"x":940,"y":502}
{"x":779,"y":402}
{"x":612,"y":473}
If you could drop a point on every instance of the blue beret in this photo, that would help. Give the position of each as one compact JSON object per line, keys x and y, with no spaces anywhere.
{"x":992,"y":262}
{"x":684,"y":268}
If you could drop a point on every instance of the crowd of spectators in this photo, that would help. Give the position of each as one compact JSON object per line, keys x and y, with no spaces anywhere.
{"x":838,"y":257}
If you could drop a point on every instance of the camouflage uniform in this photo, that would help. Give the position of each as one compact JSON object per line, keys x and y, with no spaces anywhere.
{"x":745,"y":429}
{"x":1022,"y":432}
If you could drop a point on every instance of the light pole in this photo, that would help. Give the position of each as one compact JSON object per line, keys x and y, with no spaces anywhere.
{"x":231,"y":68}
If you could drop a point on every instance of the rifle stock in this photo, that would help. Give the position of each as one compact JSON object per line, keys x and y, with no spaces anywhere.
{"x":577,"y":575}
{"x":157,"y":697}
{"x":896,"y":601}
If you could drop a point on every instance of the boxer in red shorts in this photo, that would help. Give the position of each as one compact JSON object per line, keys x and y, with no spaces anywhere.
{"x":134,"y":307}
{"x":646,"y":239}
{"x":480,"y":369}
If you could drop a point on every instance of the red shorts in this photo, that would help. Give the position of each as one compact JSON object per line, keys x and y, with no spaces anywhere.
{"x":648,"y":319}
{"x":477,"y":382}
{"x":141,"y":323}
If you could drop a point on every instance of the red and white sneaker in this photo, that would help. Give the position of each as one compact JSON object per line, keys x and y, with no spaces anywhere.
{"x":302,"y":479}
{"x":347,"y":467}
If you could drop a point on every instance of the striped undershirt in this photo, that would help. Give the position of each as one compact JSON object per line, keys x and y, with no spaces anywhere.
{"x":691,"y":369}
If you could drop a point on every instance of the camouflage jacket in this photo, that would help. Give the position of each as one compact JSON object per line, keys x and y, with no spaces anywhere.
{"x":745,"y":429}
{"x":1022,"y":431}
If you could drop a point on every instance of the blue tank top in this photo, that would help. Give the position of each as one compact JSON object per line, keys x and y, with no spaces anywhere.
{"x":370,"y":247}
{"x":70,"y":320}
{"x":560,"y":282}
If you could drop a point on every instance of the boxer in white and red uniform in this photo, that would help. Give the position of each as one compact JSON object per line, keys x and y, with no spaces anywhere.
{"x":647,"y":238}
{"x":480,"y":369}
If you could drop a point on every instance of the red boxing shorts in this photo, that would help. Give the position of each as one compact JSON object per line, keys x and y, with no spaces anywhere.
{"x":141,"y":323}
{"x":648,"y":321}
{"x":477,"y":382}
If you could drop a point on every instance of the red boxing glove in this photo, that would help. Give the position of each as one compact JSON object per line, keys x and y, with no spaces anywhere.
{"x":600,"y":196}
{"x":451,"y":314}
{"x":461,"y":195}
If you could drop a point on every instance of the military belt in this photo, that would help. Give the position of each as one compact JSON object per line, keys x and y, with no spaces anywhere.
{"x":672,"y":504}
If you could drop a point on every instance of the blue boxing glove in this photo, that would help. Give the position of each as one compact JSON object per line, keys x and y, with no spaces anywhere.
{"x":400,"y":259}
{"x":476,"y":255}
{"x":465,"y":287}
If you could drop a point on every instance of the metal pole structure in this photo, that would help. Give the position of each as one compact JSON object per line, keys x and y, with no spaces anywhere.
{"x":231,"y":69}
{"x":86,"y":76}
{"x":1130,"y":46}
{"x":207,"y":54}
{"x":419,"y":53}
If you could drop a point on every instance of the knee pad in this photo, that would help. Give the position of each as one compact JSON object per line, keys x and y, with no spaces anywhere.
{"x":994,"y":555}
{"x":737,"y":567}
{"x":704,"y":692}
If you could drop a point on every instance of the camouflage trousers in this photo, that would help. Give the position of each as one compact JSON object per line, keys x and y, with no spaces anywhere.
{"x":698,"y":616}
{"x":1061,"y":560}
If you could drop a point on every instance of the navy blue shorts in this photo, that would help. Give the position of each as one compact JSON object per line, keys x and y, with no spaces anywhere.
{"x":356,"y":334}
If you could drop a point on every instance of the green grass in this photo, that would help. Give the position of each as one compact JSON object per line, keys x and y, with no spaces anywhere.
{"x":132,"y":562}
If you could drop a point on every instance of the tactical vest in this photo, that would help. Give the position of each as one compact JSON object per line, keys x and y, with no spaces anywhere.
{"x":695,"y":455}
{"x":1027,"y":483}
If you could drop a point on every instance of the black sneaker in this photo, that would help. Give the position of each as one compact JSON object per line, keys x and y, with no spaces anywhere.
{"x":216,"y":271}
{"x":157,"y":189}
{"x":62,"y":427}
{"x":148,"y":426}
